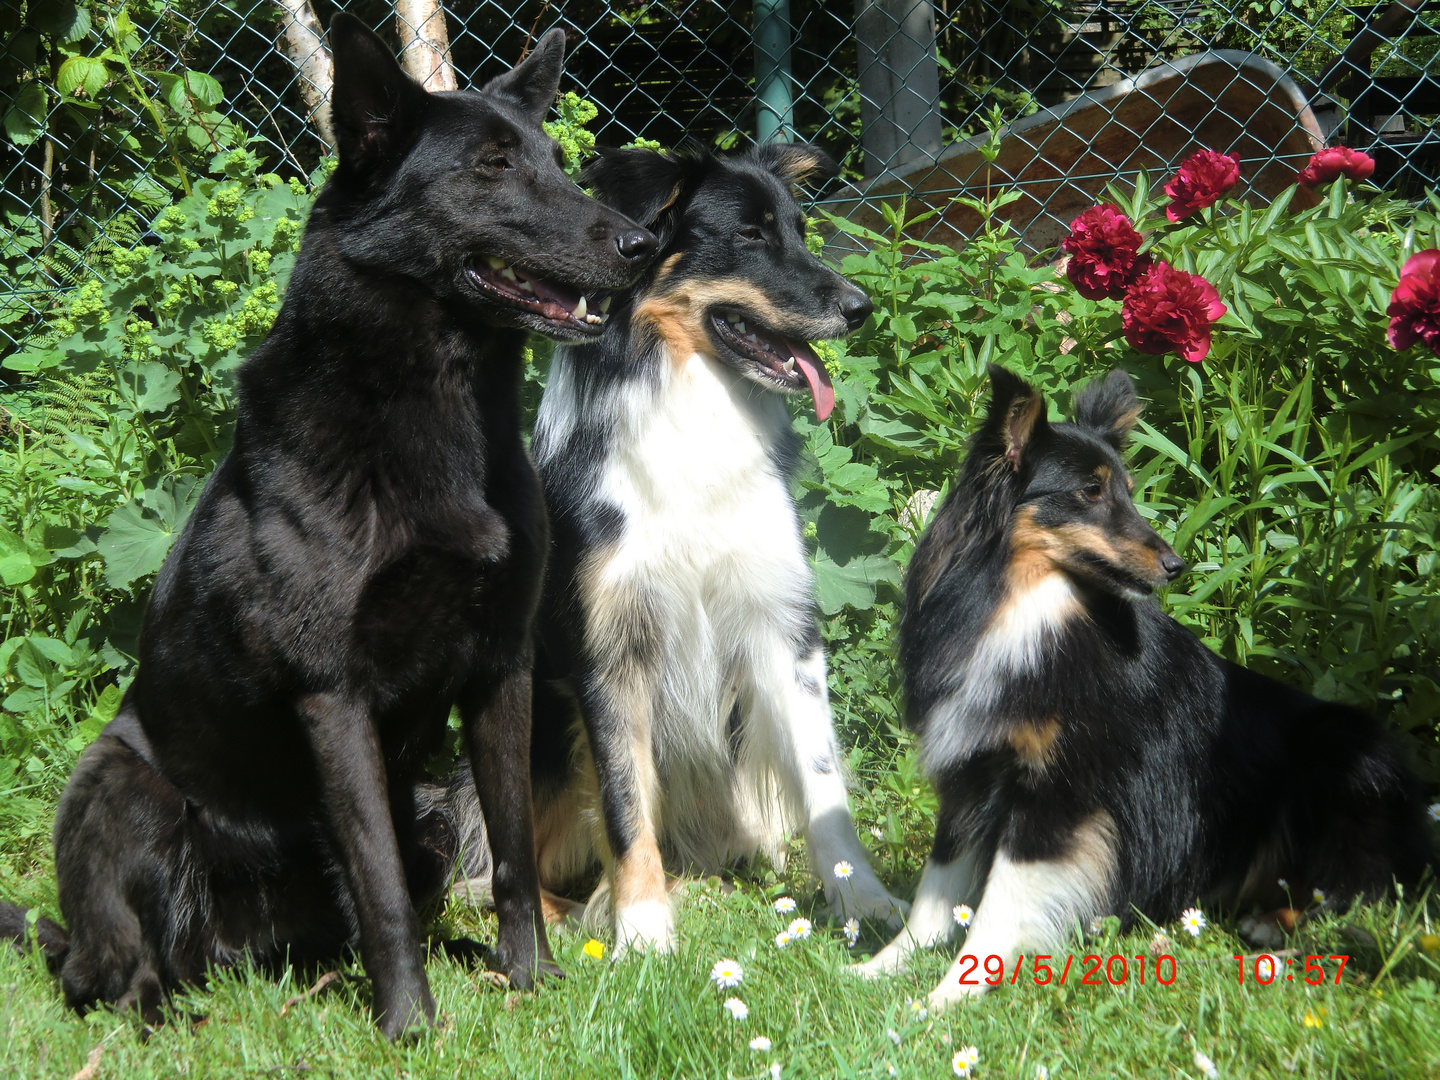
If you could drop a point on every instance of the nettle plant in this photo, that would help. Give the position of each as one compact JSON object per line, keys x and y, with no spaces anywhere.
{"x":130,"y":404}
{"x":1287,"y":450}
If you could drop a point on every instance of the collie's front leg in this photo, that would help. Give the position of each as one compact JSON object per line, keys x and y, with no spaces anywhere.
{"x":1030,"y":906}
{"x":943,"y":885}
{"x":790,"y":696}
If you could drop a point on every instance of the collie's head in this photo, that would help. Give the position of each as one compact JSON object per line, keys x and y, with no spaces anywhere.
{"x":1066,"y":485}
{"x":733,"y":278}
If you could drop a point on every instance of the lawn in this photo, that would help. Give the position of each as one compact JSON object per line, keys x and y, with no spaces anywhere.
{"x":661,"y":1016}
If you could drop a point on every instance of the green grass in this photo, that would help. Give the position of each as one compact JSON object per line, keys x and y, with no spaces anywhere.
{"x":661,"y":1017}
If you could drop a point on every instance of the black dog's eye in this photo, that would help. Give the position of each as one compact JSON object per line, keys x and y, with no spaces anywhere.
{"x":752,"y":233}
{"x":497,"y":162}
{"x":1092,"y":490}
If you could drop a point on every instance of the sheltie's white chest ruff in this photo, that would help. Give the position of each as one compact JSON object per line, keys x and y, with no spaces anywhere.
{"x":1013,"y":643}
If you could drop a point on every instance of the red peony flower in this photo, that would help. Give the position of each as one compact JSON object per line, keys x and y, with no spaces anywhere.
{"x":1203,"y":177}
{"x":1103,"y":247}
{"x":1168,"y":310}
{"x":1334,"y":162}
{"x":1415,"y":304}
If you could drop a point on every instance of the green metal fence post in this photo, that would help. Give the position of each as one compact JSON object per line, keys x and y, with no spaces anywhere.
{"x":774,"y":105}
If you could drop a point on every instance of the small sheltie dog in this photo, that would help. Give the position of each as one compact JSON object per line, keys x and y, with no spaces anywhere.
{"x":681,"y":713}
{"x":1091,"y":756}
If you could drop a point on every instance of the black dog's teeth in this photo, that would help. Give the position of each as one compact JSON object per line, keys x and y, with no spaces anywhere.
{"x":525,"y":287}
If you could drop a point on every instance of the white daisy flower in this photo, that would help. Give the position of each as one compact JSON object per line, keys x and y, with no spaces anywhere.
{"x":918,"y":1009}
{"x":890,"y":1070}
{"x":782,"y":939}
{"x":964,"y":1060}
{"x":1318,"y":895}
{"x":852,"y":932}
{"x":893,"y":1035}
{"x":963,"y":914}
{"x":737,"y":1009}
{"x":799,"y":928}
{"x":1283,"y":883}
{"x":774,"y":1070}
{"x":1434,"y":811}
{"x":1042,"y":1073}
{"x":726,"y":973}
{"x":879,"y":833}
{"x":1192,"y":921}
{"x":760,"y":1044}
{"x":1272,"y":960}
{"x":1206,"y":1066}
{"x":785,"y":905}
{"x":844,"y":870}
{"x":1096,"y":924}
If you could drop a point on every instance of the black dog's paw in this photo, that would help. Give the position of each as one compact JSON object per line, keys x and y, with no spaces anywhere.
{"x":405,"y":1014}
{"x":526,"y":975}
{"x":467,"y":952}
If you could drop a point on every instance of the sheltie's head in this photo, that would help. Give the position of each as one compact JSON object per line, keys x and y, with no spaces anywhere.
{"x":1071,"y":505}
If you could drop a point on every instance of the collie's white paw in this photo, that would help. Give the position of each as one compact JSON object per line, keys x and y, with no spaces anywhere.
{"x":1262,"y":930}
{"x":887,"y":962}
{"x":648,"y":926}
{"x":950,"y":991}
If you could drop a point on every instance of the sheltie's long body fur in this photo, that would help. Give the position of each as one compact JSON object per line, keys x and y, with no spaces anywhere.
{"x":681,"y":712}
{"x":1092,"y":757}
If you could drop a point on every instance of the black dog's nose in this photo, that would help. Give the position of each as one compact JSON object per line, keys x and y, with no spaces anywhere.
{"x":636,"y":244}
{"x":855,"y":306}
{"x":1173,"y":565}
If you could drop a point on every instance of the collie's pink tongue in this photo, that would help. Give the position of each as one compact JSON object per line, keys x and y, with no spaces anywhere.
{"x":821,"y":389}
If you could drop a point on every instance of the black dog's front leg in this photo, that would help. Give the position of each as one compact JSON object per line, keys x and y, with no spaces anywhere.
{"x":352,"y":777}
{"x":497,"y":735}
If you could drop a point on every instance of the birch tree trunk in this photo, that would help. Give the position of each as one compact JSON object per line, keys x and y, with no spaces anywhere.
{"x":302,"y":44}
{"x":425,"y":43}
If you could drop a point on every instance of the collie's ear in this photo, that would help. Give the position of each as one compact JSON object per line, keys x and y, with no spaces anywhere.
{"x":795,"y":163}
{"x":1108,"y":407}
{"x":1015,"y":417}
{"x":645,"y":185}
{"x":376,"y":106}
{"x":531,"y":85}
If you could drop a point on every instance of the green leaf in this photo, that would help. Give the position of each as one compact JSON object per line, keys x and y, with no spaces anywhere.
{"x":17,"y":564}
{"x":138,"y":536}
{"x":81,"y":73}
{"x":61,"y":19}
{"x":157,"y":388}
{"x":26,"y":117}
{"x":852,"y":585}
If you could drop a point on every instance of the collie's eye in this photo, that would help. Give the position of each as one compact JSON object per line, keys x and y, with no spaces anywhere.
{"x":1092,"y":490}
{"x":752,"y":233}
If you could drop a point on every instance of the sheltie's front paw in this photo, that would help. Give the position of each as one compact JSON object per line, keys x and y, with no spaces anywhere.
{"x":648,"y":926}
{"x":866,"y":899}
{"x":888,"y":961}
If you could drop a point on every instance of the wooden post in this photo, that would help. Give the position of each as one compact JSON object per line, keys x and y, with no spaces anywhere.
{"x":899,"y":83}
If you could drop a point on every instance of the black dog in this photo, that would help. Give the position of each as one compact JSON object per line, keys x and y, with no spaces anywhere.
{"x":368,"y":555}
{"x":1092,"y":757}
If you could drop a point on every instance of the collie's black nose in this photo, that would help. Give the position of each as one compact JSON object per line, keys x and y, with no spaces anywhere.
{"x":635,"y":244}
{"x":855,"y":306}
{"x":1173,"y":565}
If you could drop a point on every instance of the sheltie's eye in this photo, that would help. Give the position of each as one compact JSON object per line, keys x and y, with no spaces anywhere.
{"x":1093,"y":491}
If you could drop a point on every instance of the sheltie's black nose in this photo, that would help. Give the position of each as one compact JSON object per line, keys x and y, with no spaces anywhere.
{"x":855,"y":308}
{"x":635,"y":244}
{"x":1173,"y":566}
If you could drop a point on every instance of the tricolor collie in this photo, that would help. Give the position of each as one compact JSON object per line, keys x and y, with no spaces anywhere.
{"x":1091,"y":756}
{"x":681,"y":713}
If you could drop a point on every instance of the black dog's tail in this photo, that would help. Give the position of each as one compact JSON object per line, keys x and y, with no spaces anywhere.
{"x":49,"y":935}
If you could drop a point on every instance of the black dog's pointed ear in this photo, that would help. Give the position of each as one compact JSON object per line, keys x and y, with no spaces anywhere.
{"x":1109,"y":407}
{"x":796,"y":163}
{"x":532,"y":84}
{"x":1015,"y":418}
{"x":375,"y":105}
{"x":644,"y":185}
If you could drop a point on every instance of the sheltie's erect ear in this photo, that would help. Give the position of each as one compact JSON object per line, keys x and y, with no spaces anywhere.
{"x":1108,"y":407}
{"x":1015,"y":419}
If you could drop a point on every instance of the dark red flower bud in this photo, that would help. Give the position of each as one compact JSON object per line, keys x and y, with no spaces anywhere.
{"x":1334,"y":162}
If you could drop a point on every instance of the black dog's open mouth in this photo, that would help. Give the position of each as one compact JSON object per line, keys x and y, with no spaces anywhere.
{"x":564,"y":308}
{"x":792,"y":365}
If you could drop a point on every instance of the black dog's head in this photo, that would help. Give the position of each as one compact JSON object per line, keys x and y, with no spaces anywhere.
{"x":1073,"y":506}
{"x":734,"y":278}
{"x":464,"y":192}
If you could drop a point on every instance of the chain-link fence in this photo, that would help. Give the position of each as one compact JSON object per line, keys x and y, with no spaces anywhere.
{"x":110,"y":111}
